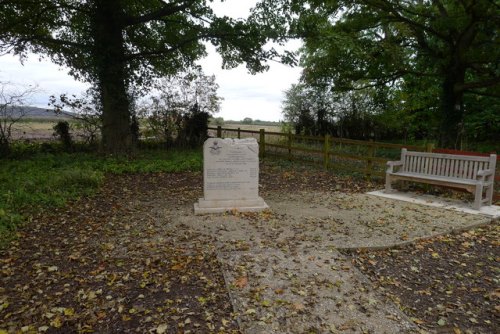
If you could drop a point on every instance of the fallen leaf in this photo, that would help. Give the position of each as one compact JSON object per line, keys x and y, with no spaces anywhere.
{"x":57,"y":322}
{"x":177,"y":266}
{"x":69,"y":312}
{"x":241,"y":282}
{"x":298,"y":306}
{"x":266,"y":303}
{"x":4,"y":306}
{"x":161,"y":329}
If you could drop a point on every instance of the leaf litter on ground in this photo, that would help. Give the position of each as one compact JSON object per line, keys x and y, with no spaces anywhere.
{"x":107,"y":263}
{"x":447,"y":284}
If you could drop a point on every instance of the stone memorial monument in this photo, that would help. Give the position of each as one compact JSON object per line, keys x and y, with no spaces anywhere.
{"x":230,"y":176}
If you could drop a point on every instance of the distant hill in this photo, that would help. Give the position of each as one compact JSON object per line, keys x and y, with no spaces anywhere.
{"x":34,"y":112}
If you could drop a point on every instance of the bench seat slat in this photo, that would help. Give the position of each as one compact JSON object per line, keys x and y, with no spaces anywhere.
{"x":451,"y":180}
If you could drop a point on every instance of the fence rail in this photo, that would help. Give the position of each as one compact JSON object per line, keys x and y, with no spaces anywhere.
{"x":366,"y":157}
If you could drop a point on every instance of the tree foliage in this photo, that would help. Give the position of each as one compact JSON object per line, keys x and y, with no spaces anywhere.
{"x":179,"y":112}
{"x":427,"y":55}
{"x":247,"y":120}
{"x":62,"y":132}
{"x":87,"y":111}
{"x":318,"y":111}
{"x":122,"y":45}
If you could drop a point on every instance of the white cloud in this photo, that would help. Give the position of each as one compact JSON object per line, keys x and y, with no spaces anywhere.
{"x":51,"y":79}
{"x":245,"y":95}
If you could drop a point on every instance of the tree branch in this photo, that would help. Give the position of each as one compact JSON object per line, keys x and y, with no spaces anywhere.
{"x":477,"y":84}
{"x":166,"y":10}
{"x":475,"y":92}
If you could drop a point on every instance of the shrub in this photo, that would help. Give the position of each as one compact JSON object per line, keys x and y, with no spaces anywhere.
{"x":62,"y":132}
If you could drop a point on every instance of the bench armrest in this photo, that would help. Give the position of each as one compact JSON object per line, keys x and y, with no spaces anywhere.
{"x":485,"y":172}
{"x":392,"y":164}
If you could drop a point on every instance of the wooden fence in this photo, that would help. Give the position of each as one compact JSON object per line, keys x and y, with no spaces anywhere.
{"x":368,"y":158}
{"x":365,"y":157}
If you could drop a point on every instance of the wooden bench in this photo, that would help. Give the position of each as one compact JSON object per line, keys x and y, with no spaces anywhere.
{"x":472,"y":173}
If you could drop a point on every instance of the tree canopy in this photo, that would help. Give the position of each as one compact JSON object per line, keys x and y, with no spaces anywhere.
{"x":440,"y":55}
{"x":122,"y":45}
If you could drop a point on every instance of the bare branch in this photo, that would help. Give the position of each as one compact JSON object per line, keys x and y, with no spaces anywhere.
{"x":12,"y":100}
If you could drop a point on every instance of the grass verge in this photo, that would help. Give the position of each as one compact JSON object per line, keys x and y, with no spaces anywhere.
{"x":45,"y":180}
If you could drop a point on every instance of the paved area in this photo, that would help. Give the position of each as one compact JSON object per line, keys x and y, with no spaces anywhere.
{"x":284,"y":270}
{"x":306,"y":292}
{"x":492,"y":211}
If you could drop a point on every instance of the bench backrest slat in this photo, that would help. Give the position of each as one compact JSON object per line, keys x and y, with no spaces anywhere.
{"x":465,"y":171}
{"x":445,"y":165}
{"x":448,"y":156}
{"x":473,"y":172}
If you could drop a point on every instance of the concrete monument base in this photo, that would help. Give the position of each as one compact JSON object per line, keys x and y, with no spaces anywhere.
{"x":218,"y":206}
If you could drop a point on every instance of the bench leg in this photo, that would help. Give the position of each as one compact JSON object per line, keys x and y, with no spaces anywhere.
{"x":489,"y":194}
{"x":478,"y":197}
{"x":388,"y":187}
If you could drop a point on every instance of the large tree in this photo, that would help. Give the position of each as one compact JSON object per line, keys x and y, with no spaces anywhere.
{"x":438,"y":52}
{"x":122,"y":45}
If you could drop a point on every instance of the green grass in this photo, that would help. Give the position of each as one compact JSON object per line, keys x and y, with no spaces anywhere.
{"x":40,"y":181}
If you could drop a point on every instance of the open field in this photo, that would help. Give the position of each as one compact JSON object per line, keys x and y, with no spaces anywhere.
{"x":34,"y":129}
{"x":252,"y":127}
{"x":43,"y":128}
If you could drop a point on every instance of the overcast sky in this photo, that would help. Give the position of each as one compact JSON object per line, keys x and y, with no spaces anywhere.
{"x":256,"y":96}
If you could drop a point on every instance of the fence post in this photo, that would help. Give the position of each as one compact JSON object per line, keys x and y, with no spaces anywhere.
{"x":429,"y":147}
{"x":369,"y":162}
{"x":219,"y":131}
{"x":239,"y":133}
{"x":326,"y":151}
{"x":289,"y":144}
{"x":262,"y":143}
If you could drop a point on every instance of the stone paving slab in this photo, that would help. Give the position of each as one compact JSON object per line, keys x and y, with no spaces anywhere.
{"x":351,"y":221}
{"x":329,"y":221}
{"x":492,"y":211}
{"x":306,"y":292}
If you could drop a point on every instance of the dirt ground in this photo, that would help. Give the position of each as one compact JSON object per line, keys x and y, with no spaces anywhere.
{"x":133,"y":258}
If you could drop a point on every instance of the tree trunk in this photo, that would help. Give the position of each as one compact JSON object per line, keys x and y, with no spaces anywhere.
{"x":109,"y":55}
{"x":452,"y":113}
